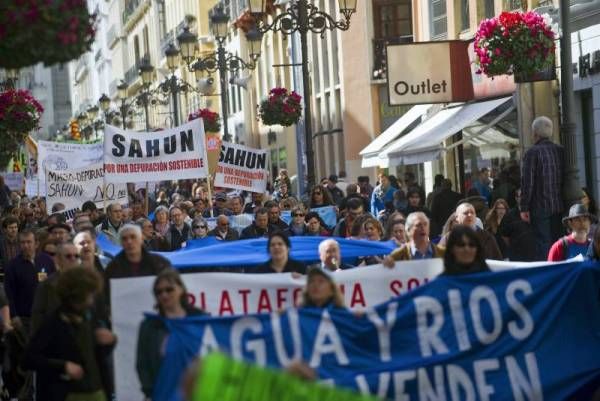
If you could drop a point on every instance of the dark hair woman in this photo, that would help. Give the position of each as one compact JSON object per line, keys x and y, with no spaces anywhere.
{"x":321,"y":291}
{"x":464,"y":252}
{"x":66,"y":351}
{"x":320,"y":197}
{"x":278,"y":247}
{"x":315,"y":226}
{"x":172,"y":303}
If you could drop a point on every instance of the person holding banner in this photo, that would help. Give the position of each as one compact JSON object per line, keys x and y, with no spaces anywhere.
{"x":331,"y":256}
{"x":172,"y":303}
{"x":278,"y":247}
{"x":419,"y":246}
{"x":465,"y":253}
{"x":321,"y":291}
{"x":577,"y":243}
{"x":297,"y":227}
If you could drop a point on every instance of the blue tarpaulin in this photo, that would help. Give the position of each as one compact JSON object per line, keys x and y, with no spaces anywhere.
{"x":253,"y":252}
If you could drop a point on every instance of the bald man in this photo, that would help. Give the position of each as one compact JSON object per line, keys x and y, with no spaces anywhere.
{"x":223,"y":230}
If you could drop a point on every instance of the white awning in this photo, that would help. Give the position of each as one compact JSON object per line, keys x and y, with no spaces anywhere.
{"x":424,"y":143}
{"x":370,"y":154}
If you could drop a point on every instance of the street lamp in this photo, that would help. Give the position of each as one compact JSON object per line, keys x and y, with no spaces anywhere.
{"x":224,"y":62}
{"x":92,"y":113}
{"x":187,"y":43}
{"x":122,"y":95}
{"x":104,"y":103}
{"x":303,"y":17}
{"x":147,"y":74}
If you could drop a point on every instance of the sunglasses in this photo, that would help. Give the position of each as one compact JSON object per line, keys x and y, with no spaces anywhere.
{"x":466,"y":244}
{"x":197,"y":227}
{"x":167,"y":290}
{"x":51,"y":253}
{"x":71,"y":256}
{"x":298,"y":215}
{"x":318,"y":193}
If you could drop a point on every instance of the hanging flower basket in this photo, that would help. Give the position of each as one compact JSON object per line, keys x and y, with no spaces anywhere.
{"x":20,"y":113}
{"x":210,"y":118}
{"x":520,"y":43}
{"x":281,"y":108}
{"x":46,"y":31}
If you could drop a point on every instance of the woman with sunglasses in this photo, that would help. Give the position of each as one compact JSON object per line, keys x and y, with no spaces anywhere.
{"x":172,"y":303}
{"x":199,"y":228}
{"x":297,"y":226}
{"x":464,"y":252}
{"x":320,"y":197}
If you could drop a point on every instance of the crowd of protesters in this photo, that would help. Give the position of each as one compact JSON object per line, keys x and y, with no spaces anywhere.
{"x":55,"y":311}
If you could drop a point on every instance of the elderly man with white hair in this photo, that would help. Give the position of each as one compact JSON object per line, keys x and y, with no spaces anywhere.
{"x":466,"y":216}
{"x":134,"y":260}
{"x":330,"y":255}
{"x":541,"y":186}
{"x":419,"y":246}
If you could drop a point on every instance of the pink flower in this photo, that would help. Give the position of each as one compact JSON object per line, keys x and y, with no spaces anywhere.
{"x":497,"y":51}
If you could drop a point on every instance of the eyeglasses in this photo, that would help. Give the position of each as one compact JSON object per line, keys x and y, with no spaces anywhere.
{"x":197,"y":227}
{"x":298,"y":215}
{"x":167,"y":290}
{"x":466,"y":244}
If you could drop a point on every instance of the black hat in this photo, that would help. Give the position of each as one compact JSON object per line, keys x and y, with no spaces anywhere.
{"x":333,"y":178}
{"x":222,"y":196}
{"x":578,"y":210}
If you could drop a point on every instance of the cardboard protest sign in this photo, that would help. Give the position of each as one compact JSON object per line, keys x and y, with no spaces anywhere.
{"x":58,"y":156}
{"x":241,"y":167}
{"x":74,"y":187}
{"x":171,"y":154}
{"x":213,"y":149}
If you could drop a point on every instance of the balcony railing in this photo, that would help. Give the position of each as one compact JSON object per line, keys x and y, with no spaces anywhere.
{"x":131,"y":7}
{"x":171,"y":35}
{"x":133,"y":73}
{"x":379,"y":54}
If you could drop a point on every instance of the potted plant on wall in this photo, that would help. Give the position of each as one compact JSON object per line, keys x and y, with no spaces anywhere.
{"x":282,"y":107}
{"x":519,"y":43}
{"x":20,"y":113}
{"x":210,"y":119}
{"x":44,"y":31}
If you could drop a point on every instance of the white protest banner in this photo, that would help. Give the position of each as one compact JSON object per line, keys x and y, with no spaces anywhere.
{"x":14,"y":181}
{"x":172,"y":154}
{"x":58,"y":156}
{"x":241,"y":167}
{"x":74,"y":187}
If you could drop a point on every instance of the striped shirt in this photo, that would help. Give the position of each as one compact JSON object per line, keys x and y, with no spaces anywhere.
{"x":542,"y":177}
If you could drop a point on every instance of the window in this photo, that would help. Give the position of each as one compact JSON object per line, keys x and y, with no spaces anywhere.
{"x":162,"y":19}
{"x":136,"y":49}
{"x":393,"y":18}
{"x":464,"y":14}
{"x":146,"y":42}
{"x":438,"y":19}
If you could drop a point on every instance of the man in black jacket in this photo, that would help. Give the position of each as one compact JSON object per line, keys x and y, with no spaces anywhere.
{"x":259,"y":227}
{"x":134,"y":260}
{"x":223,"y":230}
{"x":179,"y":231}
{"x":275,"y":222}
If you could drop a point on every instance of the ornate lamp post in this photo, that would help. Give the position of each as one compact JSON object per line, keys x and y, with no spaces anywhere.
{"x":10,"y":82}
{"x":92,"y":113}
{"x":303,"y":17}
{"x":220,"y":61}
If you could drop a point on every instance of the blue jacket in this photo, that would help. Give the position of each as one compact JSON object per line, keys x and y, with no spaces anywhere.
{"x":378,"y":199}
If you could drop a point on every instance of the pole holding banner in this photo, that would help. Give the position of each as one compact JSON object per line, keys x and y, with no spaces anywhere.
{"x":208,"y":180}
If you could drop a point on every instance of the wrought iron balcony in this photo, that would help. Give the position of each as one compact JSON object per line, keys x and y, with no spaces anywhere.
{"x":380,"y":56}
{"x":134,"y":72}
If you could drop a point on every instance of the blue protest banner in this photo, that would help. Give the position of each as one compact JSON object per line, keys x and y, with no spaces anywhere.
{"x":528,"y":334}
{"x":253,"y":252}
